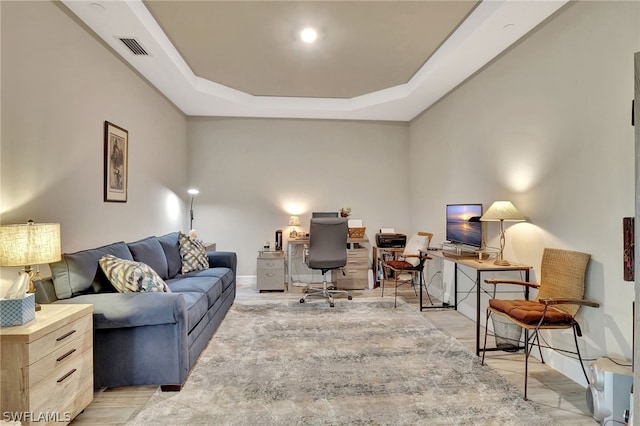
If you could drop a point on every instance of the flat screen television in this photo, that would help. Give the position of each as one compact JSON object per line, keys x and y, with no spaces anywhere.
{"x":463,"y":224}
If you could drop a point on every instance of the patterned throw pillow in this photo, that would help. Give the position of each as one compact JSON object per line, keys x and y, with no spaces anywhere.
{"x":130,"y":276}
{"x":193,"y":254}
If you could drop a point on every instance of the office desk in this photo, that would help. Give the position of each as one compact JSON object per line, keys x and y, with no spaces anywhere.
{"x":302,"y":241}
{"x":480,"y":266}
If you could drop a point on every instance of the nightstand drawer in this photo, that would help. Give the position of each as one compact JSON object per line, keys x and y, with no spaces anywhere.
{"x":58,"y":338}
{"x":58,"y":359}
{"x":64,"y":385}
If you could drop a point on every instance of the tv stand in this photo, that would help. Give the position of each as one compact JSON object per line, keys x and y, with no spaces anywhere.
{"x":458,"y":252}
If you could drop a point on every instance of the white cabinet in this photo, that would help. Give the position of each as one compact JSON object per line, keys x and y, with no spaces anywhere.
{"x":270,"y":271}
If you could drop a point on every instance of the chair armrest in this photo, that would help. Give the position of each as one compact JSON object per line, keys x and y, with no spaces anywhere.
{"x":516,"y":282}
{"x":420,"y":256}
{"x":567,"y":301}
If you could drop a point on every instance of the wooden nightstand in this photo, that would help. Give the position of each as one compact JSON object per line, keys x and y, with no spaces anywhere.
{"x":47,"y":366}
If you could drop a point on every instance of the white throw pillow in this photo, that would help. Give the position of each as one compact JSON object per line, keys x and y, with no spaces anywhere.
{"x":416,"y":244}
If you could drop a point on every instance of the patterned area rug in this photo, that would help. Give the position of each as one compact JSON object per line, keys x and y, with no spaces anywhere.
{"x":360,"y":363}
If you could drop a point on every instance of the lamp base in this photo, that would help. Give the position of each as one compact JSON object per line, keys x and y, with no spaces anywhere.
{"x":501,"y":262}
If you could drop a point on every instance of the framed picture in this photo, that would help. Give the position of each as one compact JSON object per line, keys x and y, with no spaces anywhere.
{"x":116,"y":161}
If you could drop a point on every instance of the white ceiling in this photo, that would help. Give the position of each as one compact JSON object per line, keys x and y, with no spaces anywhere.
{"x":374,"y":60}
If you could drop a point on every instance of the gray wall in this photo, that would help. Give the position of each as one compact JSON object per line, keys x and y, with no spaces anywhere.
{"x":254,"y":173}
{"x":59,"y":85}
{"x":547,"y":126}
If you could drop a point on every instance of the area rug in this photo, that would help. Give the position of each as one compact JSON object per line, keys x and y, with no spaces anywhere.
{"x":360,"y":363}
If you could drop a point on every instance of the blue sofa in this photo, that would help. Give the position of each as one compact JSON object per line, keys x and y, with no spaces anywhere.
{"x":146,"y":338}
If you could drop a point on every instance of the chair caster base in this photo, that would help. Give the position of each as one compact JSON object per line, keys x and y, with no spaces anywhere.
{"x":349,"y":297}
{"x":331,"y":304}
{"x":302,"y":300}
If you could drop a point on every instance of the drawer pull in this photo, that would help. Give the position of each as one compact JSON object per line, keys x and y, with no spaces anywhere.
{"x":61,"y":379}
{"x":65,"y":355}
{"x":271,"y":275}
{"x":65,"y":336}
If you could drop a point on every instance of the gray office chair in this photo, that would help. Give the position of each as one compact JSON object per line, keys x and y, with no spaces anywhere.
{"x":327,"y":250}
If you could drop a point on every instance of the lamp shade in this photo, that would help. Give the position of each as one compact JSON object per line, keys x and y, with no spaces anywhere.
{"x":294,"y":221}
{"x":502,"y":210}
{"x":29,"y":244}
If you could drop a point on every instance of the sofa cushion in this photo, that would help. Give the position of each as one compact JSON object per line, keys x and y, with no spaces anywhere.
{"x":193,"y":254}
{"x":150,"y":252}
{"x":171,"y":247}
{"x":211,"y":287}
{"x":131,"y":276}
{"x":197,"y":307}
{"x":79,"y":273}
{"x":225,"y":275}
{"x":121,"y":310}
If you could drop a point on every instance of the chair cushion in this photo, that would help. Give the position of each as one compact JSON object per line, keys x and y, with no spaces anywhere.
{"x":399,"y":264}
{"x":530,"y":311}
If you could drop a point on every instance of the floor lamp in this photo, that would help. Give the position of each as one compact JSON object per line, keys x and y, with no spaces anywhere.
{"x":193,"y":193}
{"x":501,"y":211}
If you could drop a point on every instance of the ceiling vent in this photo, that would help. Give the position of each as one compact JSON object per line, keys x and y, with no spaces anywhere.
{"x":133,"y":45}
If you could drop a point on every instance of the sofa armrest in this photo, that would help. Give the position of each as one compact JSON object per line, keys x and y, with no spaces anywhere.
{"x":45,"y":291}
{"x":223,"y":259}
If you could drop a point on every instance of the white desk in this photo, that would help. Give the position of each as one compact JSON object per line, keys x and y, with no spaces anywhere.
{"x":300,"y":242}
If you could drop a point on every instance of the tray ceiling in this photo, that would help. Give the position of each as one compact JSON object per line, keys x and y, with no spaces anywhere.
{"x":374,"y":60}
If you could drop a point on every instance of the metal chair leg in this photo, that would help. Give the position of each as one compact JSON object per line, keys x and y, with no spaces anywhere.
{"x":527,"y":352}
{"x":575,"y":339}
{"x":486,"y":331}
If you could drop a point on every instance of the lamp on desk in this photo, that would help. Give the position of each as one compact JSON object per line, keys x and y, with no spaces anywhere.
{"x":293,"y":222}
{"x":29,"y":244}
{"x":499,"y":212}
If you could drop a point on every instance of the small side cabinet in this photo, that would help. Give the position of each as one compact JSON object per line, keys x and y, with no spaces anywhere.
{"x":47,"y":365}
{"x":270,"y":271}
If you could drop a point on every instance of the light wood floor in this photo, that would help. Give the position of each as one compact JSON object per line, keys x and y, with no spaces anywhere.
{"x":561,"y":397}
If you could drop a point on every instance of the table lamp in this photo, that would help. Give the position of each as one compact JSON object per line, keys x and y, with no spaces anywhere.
{"x":293,"y":222}
{"x":499,"y":212}
{"x":29,"y":244}
{"x":193,"y":193}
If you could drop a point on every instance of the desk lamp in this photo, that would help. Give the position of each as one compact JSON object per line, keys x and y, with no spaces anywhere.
{"x":193,"y":193}
{"x":499,"y":212}
{"x":293,"y":222}
{"x":29,"y":244}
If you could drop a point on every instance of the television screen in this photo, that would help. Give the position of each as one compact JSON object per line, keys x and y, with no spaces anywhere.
{"x":463,"y":224}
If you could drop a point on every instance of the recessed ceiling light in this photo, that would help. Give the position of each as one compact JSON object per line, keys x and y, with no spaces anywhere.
{"x":308,"y":35}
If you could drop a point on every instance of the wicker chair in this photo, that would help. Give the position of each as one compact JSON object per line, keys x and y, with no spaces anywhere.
{"x":410,"y":263}
{"x":560,"y":295}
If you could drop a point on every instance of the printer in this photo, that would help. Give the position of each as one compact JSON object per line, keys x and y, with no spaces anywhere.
{"x":390,"y":240}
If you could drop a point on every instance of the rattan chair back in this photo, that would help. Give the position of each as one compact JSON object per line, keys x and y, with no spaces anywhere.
{"x":562,"y":275}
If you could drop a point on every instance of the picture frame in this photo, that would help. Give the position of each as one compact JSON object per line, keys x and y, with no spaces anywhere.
{"x":116,"y":163}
